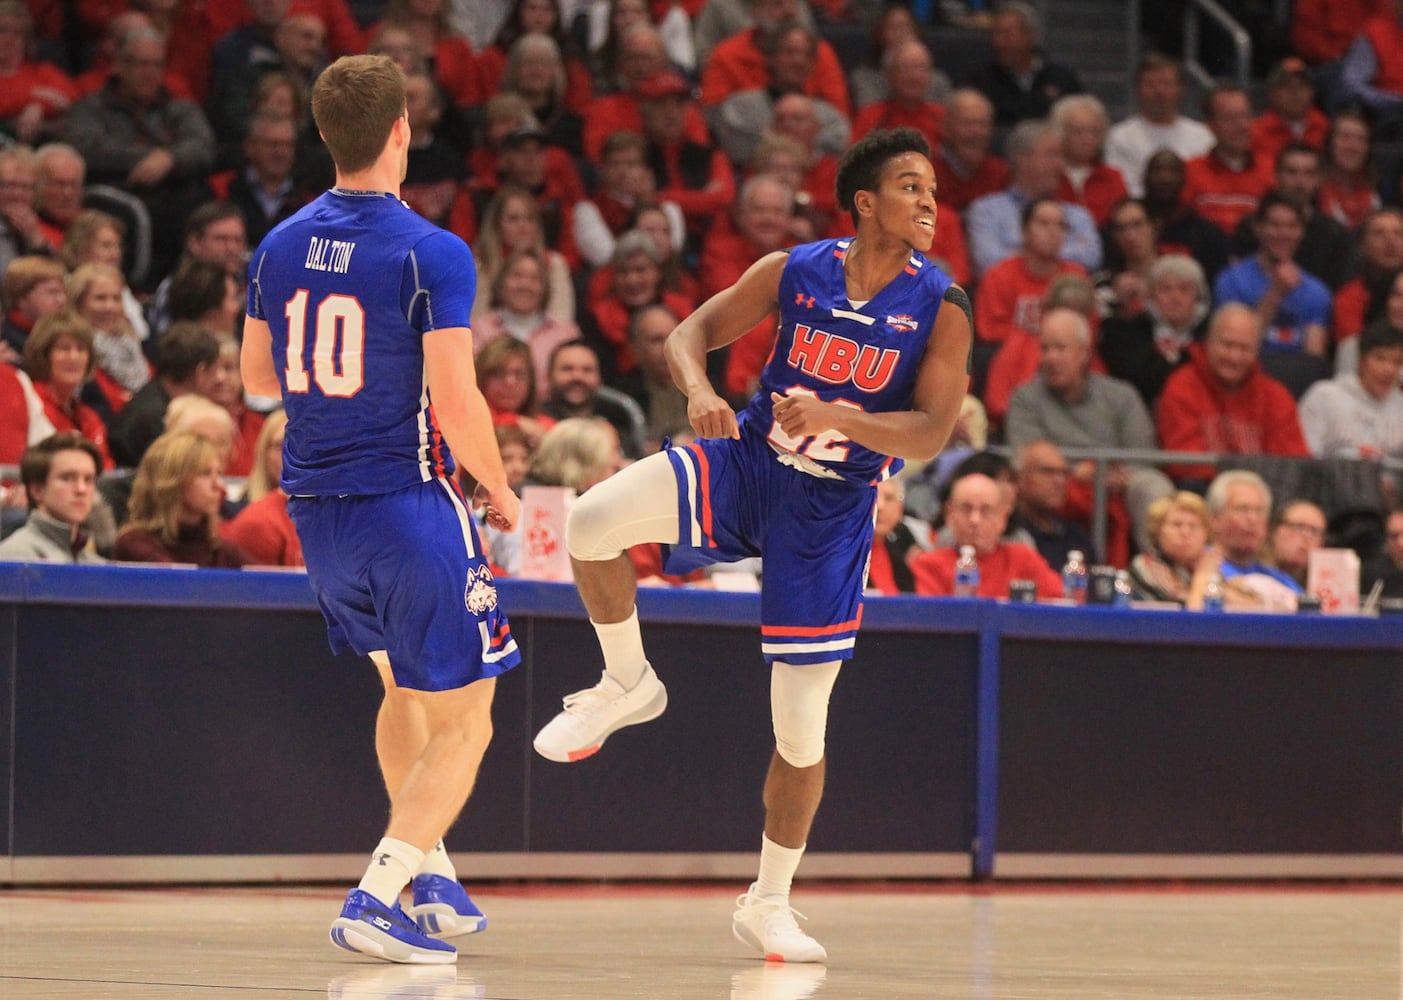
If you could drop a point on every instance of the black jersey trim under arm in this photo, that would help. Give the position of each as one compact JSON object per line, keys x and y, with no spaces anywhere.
{"x":956,"y":296}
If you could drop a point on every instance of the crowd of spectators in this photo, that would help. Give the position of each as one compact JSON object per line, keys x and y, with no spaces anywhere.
{"x":1223,"y":277}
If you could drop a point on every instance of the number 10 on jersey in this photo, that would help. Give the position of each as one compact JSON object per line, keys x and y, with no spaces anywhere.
{"x":338,"y":345}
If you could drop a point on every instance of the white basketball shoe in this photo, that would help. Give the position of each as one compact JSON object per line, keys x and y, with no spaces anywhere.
{"x":592,"y":715}
{"x":768,"y":925}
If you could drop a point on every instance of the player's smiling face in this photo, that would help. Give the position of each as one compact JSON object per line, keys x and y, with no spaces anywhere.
{"x":905,"y":204}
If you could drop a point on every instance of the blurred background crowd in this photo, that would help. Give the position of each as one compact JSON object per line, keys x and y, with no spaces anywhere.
{"x":1157,"y":261}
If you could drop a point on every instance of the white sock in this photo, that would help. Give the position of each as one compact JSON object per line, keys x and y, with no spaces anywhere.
{"x":437,"y":862}
{"x":777,"y":867}
{"x":391,"y":867}
{"x":622,"y":644}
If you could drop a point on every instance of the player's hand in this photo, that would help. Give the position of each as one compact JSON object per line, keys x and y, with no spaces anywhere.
{"x":711,"y":416}
{"x":503,"y":507}
{"x":802,"y":416}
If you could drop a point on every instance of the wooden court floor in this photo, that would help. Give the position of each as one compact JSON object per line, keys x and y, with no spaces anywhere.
{"x":668,"y":941}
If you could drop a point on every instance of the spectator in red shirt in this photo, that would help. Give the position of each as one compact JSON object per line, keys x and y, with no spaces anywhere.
{"x":540,"y":17}
{"x":637,"y":271}
{"x":1011,"y":292}
{"x":447,"y":54}
{"x":867,"y":81}
{"x":977,"y":513}
{"x":965,"y":167}
{"x":908,"y":68}
{"x":1225,"y":184}
{"x":625,"y":184}
{"x":58,"y":355}
{"x":1321,"y":30}
{"x":1349,"y":189}
{"x":800,"y":118}
{"x":1371,"y":73}
{"x":642,"y":58}
{"x":739,"y":62}
{"x":1222,"y":401}
{"x":506,"y":374}
{"x":1380,"y":258}
{"x":535,"y":70}
{"x":263,"y":529}
{"x":527,"y":161}
{"x":1087,"y":180}
{"x":1291,"y":115}
{"x":759,"y":225}
{"x":743,"y":116}
{"x":697,"y":178}
{"x":33,"y":95}
{"x":95,"y":76}
{"x":511,"y":222}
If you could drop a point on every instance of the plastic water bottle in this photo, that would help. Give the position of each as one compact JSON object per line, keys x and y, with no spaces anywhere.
{"x":1074,"y":577}
{"x":1213,"y":594}
{"x":1124,"y":590}
{"x":966,"y":573}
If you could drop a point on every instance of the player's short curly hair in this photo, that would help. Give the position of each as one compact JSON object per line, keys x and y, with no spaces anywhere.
{"x":861,"y":166}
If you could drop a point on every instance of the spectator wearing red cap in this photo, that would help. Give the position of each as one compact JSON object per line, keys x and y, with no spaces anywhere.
{"x":1291,"y":114}
{"x":696,"y":177}
{"x":642,"y":58}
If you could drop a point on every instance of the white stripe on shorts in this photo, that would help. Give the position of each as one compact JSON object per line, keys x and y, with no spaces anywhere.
{"x":464,"y":518}
{"x":780,"y":648}
{"x":689,"y":463}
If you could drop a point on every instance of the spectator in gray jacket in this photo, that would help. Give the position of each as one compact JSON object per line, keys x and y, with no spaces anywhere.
{"x":135,"y":135}
{"x":60,"y":477}
{"x":1074,"y":407}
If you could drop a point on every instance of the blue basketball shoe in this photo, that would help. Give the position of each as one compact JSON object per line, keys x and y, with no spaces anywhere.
{"x":442,"y":908}
{"x":369,"y":927}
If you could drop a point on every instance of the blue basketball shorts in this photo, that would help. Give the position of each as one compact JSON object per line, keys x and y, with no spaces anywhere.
{"x":736,"y":500}
{"x":406,"y":572}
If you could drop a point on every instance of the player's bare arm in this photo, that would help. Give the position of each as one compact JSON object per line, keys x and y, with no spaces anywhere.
{"x":463,"y":415}
{"x":256,"y":359}
{"x":918,"y":433}
{"x":720,"y":320}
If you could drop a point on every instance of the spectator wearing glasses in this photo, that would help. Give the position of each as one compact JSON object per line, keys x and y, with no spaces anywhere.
{"x":1297,"y":531}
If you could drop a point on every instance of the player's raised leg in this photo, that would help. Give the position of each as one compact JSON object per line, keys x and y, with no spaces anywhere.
{"x":637,"y":505}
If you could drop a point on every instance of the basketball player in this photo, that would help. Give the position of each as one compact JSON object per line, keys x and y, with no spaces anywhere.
{"x":870,"y":367}
{"x":358,"y":315}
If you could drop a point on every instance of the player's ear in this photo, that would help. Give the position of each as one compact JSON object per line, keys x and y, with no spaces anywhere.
{"x":864,"y":201}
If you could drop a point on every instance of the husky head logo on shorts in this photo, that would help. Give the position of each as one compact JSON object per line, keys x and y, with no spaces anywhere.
{"x":480,"y":595}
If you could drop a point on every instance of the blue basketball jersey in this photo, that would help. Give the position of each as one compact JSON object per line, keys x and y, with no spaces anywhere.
{"x":867,"y":357}
{"x":348,"y":287}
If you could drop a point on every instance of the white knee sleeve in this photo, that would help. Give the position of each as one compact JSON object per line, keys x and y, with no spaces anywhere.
{"x":636,"y":505}
{"x":799,"y":709}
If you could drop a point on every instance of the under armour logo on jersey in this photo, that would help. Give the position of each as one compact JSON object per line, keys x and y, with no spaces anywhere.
{"x":807,"y":301}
